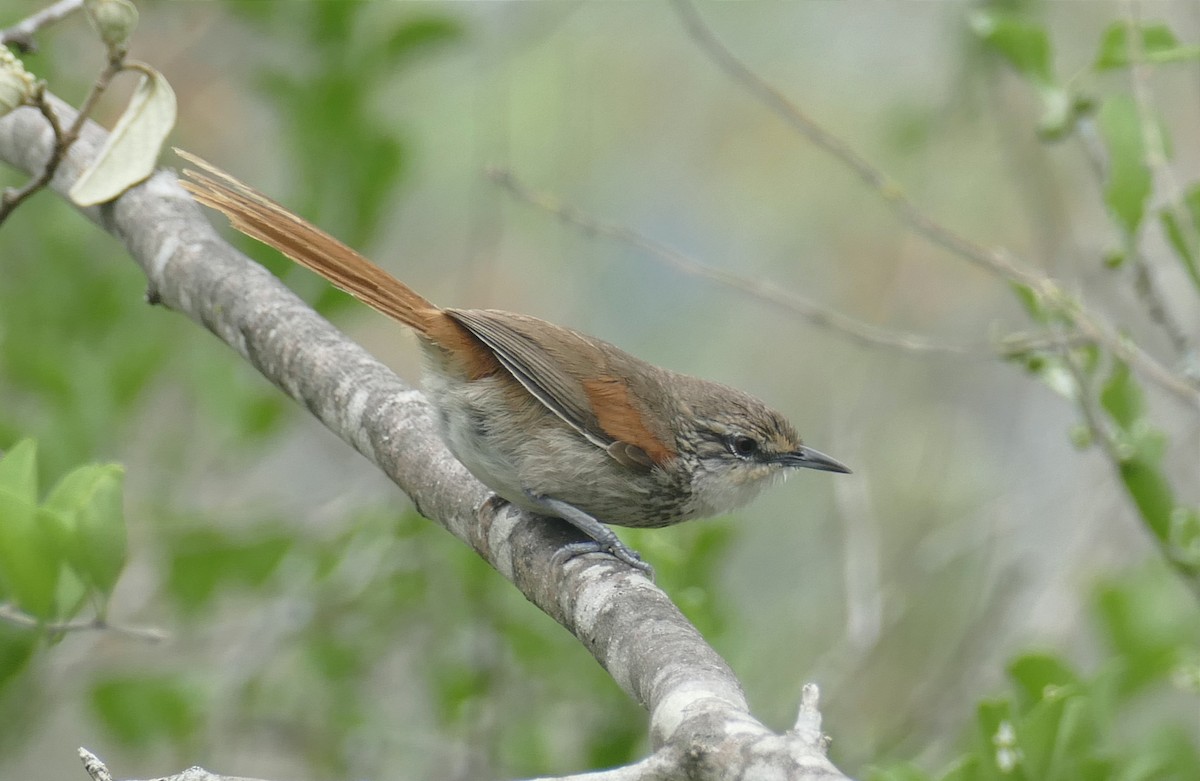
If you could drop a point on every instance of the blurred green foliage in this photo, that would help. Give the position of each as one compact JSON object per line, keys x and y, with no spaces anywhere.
{"x":1126,"y":720}
{"x":68,"y":547}
{"x":142,"y":709}
{"x":1134,"y":444}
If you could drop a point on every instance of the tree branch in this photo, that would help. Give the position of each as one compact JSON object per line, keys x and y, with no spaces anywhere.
{"x":63,"y":137}
{"x":21,"y":34}
{"x":698,"y":713}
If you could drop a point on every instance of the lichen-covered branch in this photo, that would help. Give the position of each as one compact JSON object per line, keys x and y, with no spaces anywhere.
{"x":698,"y":715}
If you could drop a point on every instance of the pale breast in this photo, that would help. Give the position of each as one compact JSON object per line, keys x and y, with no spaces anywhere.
{"x":515,"y":446}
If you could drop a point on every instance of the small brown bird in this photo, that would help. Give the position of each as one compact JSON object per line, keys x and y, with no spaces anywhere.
{"x":555,"y":421}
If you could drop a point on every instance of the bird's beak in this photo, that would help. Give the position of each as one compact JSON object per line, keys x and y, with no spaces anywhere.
{"x":808,"y":458}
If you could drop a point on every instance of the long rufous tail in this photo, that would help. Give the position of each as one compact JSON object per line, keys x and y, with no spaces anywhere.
{"x":263,"y":219}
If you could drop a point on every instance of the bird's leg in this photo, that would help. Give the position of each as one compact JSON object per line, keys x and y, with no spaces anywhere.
{"x":603,"y":540}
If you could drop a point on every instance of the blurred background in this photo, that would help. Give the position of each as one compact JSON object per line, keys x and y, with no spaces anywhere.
{"x":318,"y":628}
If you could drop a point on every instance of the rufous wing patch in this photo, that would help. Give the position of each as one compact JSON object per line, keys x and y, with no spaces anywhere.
{"x":620,"y":418}
{"x":475,"y":359}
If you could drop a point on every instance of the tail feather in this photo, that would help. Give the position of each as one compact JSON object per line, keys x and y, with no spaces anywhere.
{"x":263,"y":219}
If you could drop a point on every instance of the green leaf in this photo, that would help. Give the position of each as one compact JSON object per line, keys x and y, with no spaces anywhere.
{"x":1128,"y":182}
{"x":202,"y":561}
{"x":1183,"y":537}
{"x":1159,"y":45}
{"x":416,"y":35}
{"x":1000,"y":755}
{"x":71,"y":595}
{"x":965,"y":769}
{"x":1024,"y":44}
{"x":1151,"y":493}
{"x":141,"y":711}
{"x":1169,"y":752}
{"x":1121,"y":396}
{"x":1039,"y":676}
{"x":16,"y":649}
{"x":905,"y":772}
{"x":29,"y":563}
{"x":1191,"y":201}
{"x":1114,"y":259}
{"x":1141,"y":448}
{"x":130,"y":153}
{"x":1057,"y":737}
{"x":1182,"y":230}
{"x":1181,"y":240}
{"x":18,"y":471}
{"x":1031,"y":301}
{"x":86,"y":509}
{"x":1061,"y":111}
{"x":1148,"y":619}
{"x":1052,"y":370}
{"x":1026,"y":47}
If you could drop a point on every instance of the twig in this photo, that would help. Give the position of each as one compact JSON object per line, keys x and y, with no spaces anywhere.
{"x":997,"y":262}
{"x":1085,"y":395}
{"x":1127,"y":351}
{"x":21,"y":34}
{"x":12,"y":198}
{"x":63,"y":139}
{"x":993,"y":260}
{"x":1019,"y":345}
{"x":1093,"y":419}
{"x":94,"y":767}
{"x":858,"y":331}
{"x":1161,"y":176}
{"x":99,"y":772}
{"x":12,"y":615}
{"x":808,"y":720}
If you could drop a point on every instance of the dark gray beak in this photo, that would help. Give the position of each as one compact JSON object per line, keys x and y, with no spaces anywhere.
{"x":808,"y":458}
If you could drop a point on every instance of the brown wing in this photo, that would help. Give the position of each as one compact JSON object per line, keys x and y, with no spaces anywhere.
{"x":570,"y":374}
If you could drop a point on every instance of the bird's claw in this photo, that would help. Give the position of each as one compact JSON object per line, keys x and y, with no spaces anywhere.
{"x":620,"y":552}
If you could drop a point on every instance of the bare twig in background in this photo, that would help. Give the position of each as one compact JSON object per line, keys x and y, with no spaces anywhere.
{"x":1161,"y":176}
{"x":1102,"y":434}
{"x":21,"y":34}
{"x":997,"y":262}
{"x":992,"y":260}
{"x":1019,"y":345}
{"x":1139,"y":83}
{"x":815,"y":314}
{"x":14,"y":616}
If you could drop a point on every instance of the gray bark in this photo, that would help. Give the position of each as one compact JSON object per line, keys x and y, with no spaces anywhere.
{"x":700,"y":724}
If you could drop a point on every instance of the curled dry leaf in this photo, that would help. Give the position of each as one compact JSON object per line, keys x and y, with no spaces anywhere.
{"x":131,"y":151}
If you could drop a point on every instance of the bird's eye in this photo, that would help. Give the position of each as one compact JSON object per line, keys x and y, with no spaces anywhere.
{"x":742,"y":446}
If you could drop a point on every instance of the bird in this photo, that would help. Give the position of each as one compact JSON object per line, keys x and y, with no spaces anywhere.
{"x":552,"y":420}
